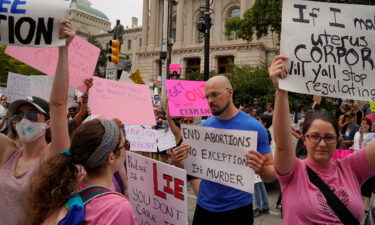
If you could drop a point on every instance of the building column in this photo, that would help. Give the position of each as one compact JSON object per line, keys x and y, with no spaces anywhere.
{"x":146,"y":8}
{"x":180,"y":23}
{"x":244,"y":6}
{"x":218,"y":26}
{"x":189,"y":23}
{"x":153,"y":24}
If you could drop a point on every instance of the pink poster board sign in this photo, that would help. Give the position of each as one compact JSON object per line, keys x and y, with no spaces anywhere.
{"x":186,"y":98}
{"x":131,"y":103}
{"x":341,"y":153}
{"x":174,"y":67}
{"x":83,"y":57}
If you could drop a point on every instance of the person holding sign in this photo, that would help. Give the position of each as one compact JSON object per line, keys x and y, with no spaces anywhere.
{"x":32,"y":118}
{"x":218,"y":204}
{"x":317,"y":190}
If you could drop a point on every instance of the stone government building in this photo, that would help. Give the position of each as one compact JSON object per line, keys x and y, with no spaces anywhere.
{"x":143,"y":44}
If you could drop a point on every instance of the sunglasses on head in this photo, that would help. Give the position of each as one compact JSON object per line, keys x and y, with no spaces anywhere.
{"x":73,"y":109}
{"x":32,"y":116}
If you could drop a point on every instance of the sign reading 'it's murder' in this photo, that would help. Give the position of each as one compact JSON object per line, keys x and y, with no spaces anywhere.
{"x":330,"y":49}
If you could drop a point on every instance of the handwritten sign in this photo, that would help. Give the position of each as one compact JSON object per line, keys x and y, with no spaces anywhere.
{"x":21,"y":87}
{"x":157,"y":191}
{"x":83,"y":57}
{"x":32,"y":23}
{"x":166,"y":140}
{"x":330,"y":49}
{"x":372,"y":106}
{"x":131,"y":103}
{"x":141,"y":139}
{"x":218,"y":155}
{"x":187,"y":98}
{"x":175,"y":67}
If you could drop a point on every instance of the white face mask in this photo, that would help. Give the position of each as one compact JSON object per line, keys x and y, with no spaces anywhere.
{"x":30,"y":131}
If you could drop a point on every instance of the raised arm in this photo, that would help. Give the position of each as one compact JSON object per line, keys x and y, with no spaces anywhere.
{"x":284,"y":153}
{"x":59,"y":95}
{"x":78,"y":119}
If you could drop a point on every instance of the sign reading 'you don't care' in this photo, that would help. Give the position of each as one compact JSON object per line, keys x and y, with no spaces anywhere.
{"x":330,"y":49}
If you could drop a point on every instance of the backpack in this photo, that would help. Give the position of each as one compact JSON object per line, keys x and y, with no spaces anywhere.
{"x":73,"y":212}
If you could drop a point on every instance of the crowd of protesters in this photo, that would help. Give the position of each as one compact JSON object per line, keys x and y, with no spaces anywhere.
{"x":50,"y":152}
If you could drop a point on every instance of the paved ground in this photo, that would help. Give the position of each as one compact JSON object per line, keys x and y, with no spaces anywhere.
{"x":271,"y":219}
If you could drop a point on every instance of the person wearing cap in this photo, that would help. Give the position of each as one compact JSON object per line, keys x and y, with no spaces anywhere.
{"x":32,"y":117}
{"x":351,"y":129}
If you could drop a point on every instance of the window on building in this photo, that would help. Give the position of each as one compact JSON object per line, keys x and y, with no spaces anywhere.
{"x":224,"y":63}
{"x":129,"y":44}
{"x":193,"y":65}
{"x":233,"y":13}
{"x":140,"y":42}
{"x":200,"y":35}
{"x":173,"y":30}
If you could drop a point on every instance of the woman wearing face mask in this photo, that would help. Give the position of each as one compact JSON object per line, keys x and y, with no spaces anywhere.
{"x":32,"y":117}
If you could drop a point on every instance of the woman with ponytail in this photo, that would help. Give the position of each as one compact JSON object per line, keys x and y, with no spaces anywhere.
{"x":99,"y":146}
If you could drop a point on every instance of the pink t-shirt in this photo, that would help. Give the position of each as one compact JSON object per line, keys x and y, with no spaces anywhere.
{"x":108,"y":209}
{"x":303,"y":203}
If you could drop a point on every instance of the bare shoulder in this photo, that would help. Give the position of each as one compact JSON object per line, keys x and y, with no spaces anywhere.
{"x":8,"y":147}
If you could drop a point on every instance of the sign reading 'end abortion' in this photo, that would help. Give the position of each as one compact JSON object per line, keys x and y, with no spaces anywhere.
{"x":330,"y":49}
{"x":218,"y":155}
{"x":32,"y":22}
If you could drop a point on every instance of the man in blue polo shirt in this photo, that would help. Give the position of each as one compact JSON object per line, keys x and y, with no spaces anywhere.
{"x":218,"y":204}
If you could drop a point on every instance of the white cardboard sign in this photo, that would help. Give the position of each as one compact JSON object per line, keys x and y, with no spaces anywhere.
{"x":141,"y":139}
{"x":166,"y":140}
{"x":218,"y":155}
{"x":157,"y":191}
{"x":32,"y":23}
{"x":330,"y":49}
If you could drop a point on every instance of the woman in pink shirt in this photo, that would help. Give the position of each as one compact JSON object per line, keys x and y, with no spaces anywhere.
{"x":99,"y":146}
{"x":303,"y":202}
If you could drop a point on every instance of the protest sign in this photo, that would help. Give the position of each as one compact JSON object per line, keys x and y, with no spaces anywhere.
{"x":372,"y":106}
{"x":166,"y":140}
{"x":141,"y":139}
{"x":218,"y":155}
{"x":3,"y":91}
{"x":21,"y":87}
{"x":157,"y":191}
{"x":174,"y":67}
{"x":137,"y":77}
{"x":32,"y":23}
{"x":329,"y":48}
{"x":131,"y":103}
{"x":187,"y":98}
{"x":83,"y":57}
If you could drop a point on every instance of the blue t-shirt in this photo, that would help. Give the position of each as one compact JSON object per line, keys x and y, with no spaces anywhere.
{"x":216,"y":197}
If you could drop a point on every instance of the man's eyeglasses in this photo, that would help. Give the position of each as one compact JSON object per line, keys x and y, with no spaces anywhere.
{"x":215,"y":94}
{"x":32,"y":116}
{"x":315,"y":138}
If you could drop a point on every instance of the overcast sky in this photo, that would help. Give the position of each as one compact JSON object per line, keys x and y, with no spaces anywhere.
{"x":120,"y":9}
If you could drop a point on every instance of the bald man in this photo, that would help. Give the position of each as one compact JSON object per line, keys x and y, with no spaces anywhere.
{"x":218,"y":204}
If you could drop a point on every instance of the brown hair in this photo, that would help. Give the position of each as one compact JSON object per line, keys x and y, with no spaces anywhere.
{"x":55,"y":181}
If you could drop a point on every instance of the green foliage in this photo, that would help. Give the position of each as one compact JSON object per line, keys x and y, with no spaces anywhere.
{"x":251,"y":82}
{"x":9,"y":64}
{"x":265,"y":16}
{"x":197,"y":76}
{"x":102,"y":57}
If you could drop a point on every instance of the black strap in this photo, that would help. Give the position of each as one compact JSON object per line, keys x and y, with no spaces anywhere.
{"x":333,"y":201}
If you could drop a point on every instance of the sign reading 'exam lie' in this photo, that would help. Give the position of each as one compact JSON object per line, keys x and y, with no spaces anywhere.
{"x":157,"y":191}
{"x":218,"y":155}
{"x":187,"y":98}
{"x":330,"y":49}
{"x":32,"y":22}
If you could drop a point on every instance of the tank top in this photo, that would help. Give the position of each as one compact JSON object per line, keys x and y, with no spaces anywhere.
{"x":12,"y":198}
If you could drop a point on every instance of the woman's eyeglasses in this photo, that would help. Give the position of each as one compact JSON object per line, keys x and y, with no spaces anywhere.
{"x":73,"y":109}
{"x":32,"y":116}
{"x":314,"y":138}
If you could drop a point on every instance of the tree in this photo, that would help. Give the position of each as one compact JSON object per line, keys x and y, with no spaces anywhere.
{"x":9,"y":64}
{"x":265,"y":16}
{"x":102,"y":57}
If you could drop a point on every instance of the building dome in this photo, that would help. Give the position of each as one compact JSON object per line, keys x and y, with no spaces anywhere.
{"x":82,"y":6}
